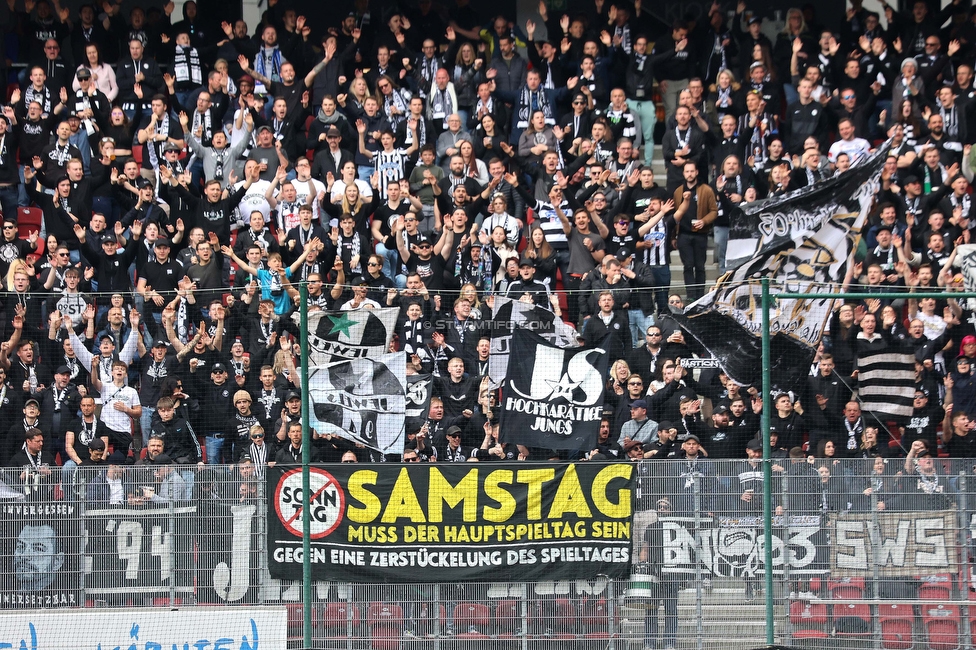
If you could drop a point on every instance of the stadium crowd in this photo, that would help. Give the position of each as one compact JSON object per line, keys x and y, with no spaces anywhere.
{"x":166,"y":184}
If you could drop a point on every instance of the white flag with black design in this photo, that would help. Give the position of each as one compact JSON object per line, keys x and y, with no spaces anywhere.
{"x":361,"y":400}
{"x":353,"y":334}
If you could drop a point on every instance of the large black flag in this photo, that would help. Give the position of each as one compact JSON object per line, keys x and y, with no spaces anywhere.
{"x":553,"y":398}
{"x":802,"y":241}
{"x":508,"y":315}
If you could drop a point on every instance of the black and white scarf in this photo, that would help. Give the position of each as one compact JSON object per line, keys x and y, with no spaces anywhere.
{"x":162,"y":128}
{"x":206,"y":137}
{"x":391,"y":101}
{"x":83,"y":103}
{"x":218,"y":155}
{"x":186,"y":65}
{"x":441,"y":105}
{"x":950,"y":122}
{"x":428,"y":69}
{"x":965,"y":203}
{"x":42,"y":97}
{"x":413,"y":336}
{"x":87,"y":433}
{"x":60,"y":155}
{"x":525,"y":108}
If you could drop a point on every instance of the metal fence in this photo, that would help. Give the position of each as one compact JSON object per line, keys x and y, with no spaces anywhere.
{"x":867,"y":553}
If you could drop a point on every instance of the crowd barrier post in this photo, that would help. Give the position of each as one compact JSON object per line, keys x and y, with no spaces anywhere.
{"x":767,"y":463}
{"x":696,"y":488}
{"x":171,"y":550}
{"x":964,"y":539}
{"x":875,"y":538}
{"x":306,"y":480}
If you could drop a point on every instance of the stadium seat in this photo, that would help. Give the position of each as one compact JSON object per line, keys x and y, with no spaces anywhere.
{"x":809,"y":620}
{"x":897,"y":621}
{"x":340,"y":622}
{"x":553,"y":619}
{"x":595,"y":623}
{"x":385,"y":623}
{"x":427,"y":620}
{"x":295,"y":619}
{"x":852,"y":621}
{"x":846,"y":588}
{"x":29,"y":218}
{"x":941,"y":623}
{"x":471,"y":621}
{"x":936,"y":586}
{"x":508,"y":620}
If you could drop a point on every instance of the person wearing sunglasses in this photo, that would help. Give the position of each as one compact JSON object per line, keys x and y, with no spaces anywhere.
{"x":259,"y":450}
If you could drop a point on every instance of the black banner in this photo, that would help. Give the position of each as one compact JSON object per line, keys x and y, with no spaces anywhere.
{"x":553,"y":398}
{"x":148,"y":551}
{"x":454,"y":522}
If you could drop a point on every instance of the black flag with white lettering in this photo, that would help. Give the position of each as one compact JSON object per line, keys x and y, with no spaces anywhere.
{"x":419,"y":392}
{"x":508,"y":315}
{"x":552,"y":398}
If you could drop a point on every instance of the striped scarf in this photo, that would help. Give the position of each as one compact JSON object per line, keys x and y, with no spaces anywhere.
{"x":526,"y":108}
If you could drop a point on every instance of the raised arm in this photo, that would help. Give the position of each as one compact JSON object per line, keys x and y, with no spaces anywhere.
{"x":241,"y":264}
{"x":316,"y":243}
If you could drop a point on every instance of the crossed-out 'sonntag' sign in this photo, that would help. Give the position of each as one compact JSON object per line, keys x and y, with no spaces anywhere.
{"x":495,"y":521}
{"x":325,"y":504}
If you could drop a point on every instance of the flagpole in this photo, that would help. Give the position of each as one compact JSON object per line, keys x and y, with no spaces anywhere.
{"x":767,"y":465}
{"x":306,"y":487}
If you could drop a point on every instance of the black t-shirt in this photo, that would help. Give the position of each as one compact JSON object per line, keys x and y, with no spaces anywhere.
{"x":84,"y":434}
{"x":616,"y":242}
{"x":292,"y":94}
{"x":162,"y":278}
{"x":201,"y":377}
{"x":431,"y":271}
{"x":386,"y":216}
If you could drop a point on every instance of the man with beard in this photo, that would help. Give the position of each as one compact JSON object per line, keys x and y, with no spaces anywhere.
{"x":610,"y":449}
{"x":828,"y":392}
{"x":37,"y":559}
{"x":453,"y":451}
{"x":59,"y":402}
{"x":724,"y":441}
{"x":79,"y":436}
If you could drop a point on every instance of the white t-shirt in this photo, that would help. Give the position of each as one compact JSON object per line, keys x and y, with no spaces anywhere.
{"x":253,"y":200}
{"x":857,"y":150}
{"x":365,"y":189}
{"x":114,"y":419}
{"x":303,"y":194}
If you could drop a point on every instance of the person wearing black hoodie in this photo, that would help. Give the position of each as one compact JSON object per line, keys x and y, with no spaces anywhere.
{"x":211,"y":212}
{"x":177,"y":434}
